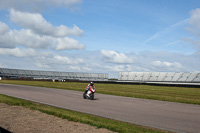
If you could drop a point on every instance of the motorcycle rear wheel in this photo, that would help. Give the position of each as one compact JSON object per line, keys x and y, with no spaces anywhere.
{"x":84,"y":95}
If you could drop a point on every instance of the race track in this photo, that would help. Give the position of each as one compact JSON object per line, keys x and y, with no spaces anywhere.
{"x":158,"y":114}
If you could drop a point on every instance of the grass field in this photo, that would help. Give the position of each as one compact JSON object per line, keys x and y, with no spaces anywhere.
{"x":92,"y":120}
{"x":163,"y":93}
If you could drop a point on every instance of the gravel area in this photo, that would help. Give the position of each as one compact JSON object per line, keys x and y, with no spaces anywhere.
{"x":18,"y":119}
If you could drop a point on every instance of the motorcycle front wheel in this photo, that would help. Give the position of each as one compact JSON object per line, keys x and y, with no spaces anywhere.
{"x":92,"y":96}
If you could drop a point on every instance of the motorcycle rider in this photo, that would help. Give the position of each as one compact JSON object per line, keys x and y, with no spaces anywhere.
{"x":89,"y":88}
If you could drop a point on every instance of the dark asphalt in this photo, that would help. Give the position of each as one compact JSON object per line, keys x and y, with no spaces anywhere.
{"x":170,"y":116}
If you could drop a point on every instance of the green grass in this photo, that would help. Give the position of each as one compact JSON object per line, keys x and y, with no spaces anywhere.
{"x":163,"y":93}
{"x":92,"y":120}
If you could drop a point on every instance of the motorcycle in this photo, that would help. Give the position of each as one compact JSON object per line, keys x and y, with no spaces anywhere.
{"x":91,"y":95}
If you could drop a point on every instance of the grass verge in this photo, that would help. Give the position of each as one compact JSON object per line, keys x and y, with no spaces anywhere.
{"x":92,"y":120}
{"x":163,"y":93}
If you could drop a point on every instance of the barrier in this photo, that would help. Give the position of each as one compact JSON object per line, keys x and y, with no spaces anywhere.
{"x":34,"y":74}
{"x":154,"y":76}
{"x":185,"y":77}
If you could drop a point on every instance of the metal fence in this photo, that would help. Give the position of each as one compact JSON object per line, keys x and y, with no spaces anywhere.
{"x":34,"y":74}
{"x":160,"y":77}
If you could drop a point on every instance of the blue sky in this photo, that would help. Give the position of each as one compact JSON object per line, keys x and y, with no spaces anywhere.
{"x":100,"y":36}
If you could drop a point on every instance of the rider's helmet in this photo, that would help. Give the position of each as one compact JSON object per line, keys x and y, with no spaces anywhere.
{"x":91,"y":83}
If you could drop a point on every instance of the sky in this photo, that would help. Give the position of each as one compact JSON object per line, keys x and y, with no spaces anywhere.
{"x":100,"y":36}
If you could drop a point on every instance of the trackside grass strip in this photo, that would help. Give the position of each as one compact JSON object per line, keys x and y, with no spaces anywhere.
{"x":163,"y":93}
{"x":99,"y":122}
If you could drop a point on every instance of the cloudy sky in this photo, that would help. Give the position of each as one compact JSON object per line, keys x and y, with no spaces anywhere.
{"x":100,"y":36}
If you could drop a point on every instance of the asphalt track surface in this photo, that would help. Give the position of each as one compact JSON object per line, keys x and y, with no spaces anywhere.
{"x":170,"y":116}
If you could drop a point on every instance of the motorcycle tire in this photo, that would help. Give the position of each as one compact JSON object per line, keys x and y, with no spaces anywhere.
{"x":84,"y":95}
{"x":92,"y":96}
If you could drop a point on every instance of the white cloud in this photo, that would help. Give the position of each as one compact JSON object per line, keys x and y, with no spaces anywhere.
{"x":115,"y":57}
{"x":24,"y":38}
{"x":67,"y":43}
{"x":18,"y":52}
{"x":4,"y":28}
{"x":36,"y":32}
{"x":6,"y":41}
{"x":3,"y":66}
{"x":75,"y":68}
{"x":65,"y":60}
{"x":118,"y":68}
{"x":194,"y":43}
{"x":27,"y":38}
{"x":167,"y":65}
{"x":34,"y":35}
{"x":80,"y":68}
{"x":147,"y":62}
{"x":65,"y":3}
{"x":194,"y":29}
{"x":42,"y":65}
{"x":39,"y":25}
{"x":194,"y":22}
{"x":51,"y":59}
{"x":38,"y":5}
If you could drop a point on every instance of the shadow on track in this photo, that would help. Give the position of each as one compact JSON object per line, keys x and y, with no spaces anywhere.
{"x":2,"y":130}
{"x":93,"y":99}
